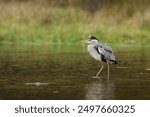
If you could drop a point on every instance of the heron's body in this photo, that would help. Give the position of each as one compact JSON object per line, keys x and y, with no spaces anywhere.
{"x":100,"y":52}
{"x":92,"y":51}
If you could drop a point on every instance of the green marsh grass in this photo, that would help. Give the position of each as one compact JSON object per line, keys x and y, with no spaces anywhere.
{"x":34,"y":23}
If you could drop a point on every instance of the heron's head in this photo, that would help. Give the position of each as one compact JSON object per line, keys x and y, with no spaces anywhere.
{"x":91,"y":40}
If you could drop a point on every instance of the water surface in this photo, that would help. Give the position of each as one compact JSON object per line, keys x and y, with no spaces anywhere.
{"x":68,"y":74}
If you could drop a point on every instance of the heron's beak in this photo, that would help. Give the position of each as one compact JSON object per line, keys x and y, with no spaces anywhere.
{"x":86,"y":41}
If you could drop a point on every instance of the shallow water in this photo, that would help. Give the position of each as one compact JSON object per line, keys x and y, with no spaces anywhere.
{"x":43,"y":74}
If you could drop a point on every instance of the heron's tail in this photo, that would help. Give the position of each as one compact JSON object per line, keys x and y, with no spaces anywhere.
{"x":114,"y":62}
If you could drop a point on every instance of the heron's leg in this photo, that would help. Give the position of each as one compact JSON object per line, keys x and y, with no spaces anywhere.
{"x":100,"y":70}
{"x":108,"y":70}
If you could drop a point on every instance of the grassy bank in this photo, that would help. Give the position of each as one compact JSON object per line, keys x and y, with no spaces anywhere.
{"x":36,"y":23}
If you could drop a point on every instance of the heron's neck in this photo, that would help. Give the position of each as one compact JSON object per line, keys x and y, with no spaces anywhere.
{"x":95,"y":43}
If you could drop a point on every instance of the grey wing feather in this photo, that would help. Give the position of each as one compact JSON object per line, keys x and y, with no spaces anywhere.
{"x":106,"y":51}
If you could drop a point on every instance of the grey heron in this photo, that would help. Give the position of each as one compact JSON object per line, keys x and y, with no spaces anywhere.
{"x":100,"y":52}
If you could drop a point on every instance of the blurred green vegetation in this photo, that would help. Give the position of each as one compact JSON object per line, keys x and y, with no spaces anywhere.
{"x":119,"y":22}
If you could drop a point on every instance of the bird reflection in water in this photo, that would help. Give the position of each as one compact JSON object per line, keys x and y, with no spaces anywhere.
{"x":100,"y":91}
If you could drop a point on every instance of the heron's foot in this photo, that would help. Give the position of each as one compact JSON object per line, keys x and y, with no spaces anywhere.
{"x":96,"y":77}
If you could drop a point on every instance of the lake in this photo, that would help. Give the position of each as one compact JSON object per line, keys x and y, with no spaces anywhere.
{"x":59,"y":72}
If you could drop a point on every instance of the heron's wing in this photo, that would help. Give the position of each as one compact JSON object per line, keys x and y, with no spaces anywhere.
{"x":106,"y":51}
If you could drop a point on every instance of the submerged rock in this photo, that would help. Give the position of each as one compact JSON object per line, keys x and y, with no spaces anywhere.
{"x":37,"y":83}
